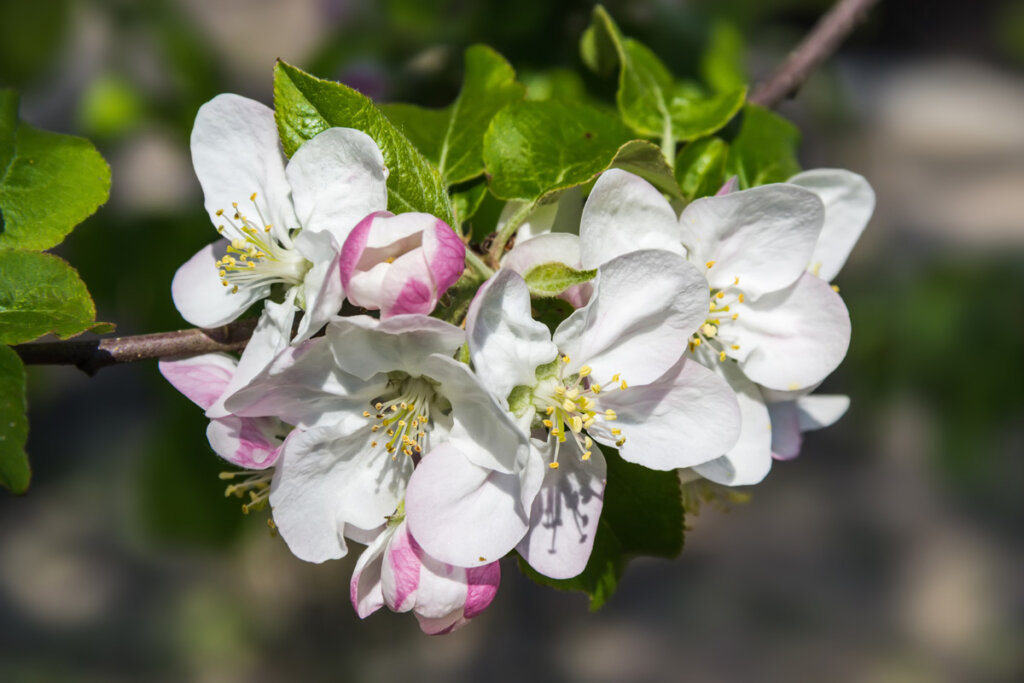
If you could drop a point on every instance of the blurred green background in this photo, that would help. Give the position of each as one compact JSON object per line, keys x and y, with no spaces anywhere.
{"x":890,"y":551}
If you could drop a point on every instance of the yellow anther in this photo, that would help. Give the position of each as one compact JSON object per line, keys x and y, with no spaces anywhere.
{"x":735,"y":347}
{"x":553,"y":465}
{"x":587,"y":442}
{"x":252,"y":197}
{"x":721,"y":356}
{"x":224,"y":282}
{"x":709,"y":264}
{"x":616,"y":431}
{"x":549,"y":410}
{"x":576,"y":424}
{"x":740,"y":298}
{"x":585,"y":370}
{"x":615,"y":377}
{"x":234,"y":205}
{"x":559,"y":390}
{"x":234,"y":290}
{"x":375,"y":428}
{"x":720,"y":295}
{"x":220,"y":212}
{"x":401,"y":423}
{"x":373,"y":444}
{"x":572,"y":393}
{"x":736,"y":281}
{"x":568,"y":406}
{"x":735,"y":315}
{"x":366,"y":413}
{"x":623,"y":385}
{"x":708,"y":330}
{"x":394,"y":409}
{"x":378,"y":405}
{"x":835,"y":288}
{"x":586,"y":455}
{"x":547,"y":423}
{"x":267,"y":228}
{"x":588,"y":423}
{"x":565,"y":359}
{"x":586,"y":403}
{"x":620,"y":442}
{"x":596,"y":388}
{"x":610,"y":415}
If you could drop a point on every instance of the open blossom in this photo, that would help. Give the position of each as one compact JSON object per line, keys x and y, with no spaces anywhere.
{"x":369,"y":400}
{"x":400,"y":264}
{"x":395,"y":571}
{"x":613,"y":373}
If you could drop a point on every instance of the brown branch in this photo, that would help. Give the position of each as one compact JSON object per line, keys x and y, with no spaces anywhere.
{"x":822,"y":41}
{"x":92,"y":355}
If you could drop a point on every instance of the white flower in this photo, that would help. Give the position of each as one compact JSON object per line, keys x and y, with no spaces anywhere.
{"x":613,"y":372}
{"x":395,"y":571}
{"x":369,"y":400}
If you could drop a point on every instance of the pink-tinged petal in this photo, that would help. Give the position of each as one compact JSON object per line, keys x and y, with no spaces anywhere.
{"x":819,"y":410}
{"x":482,"y":585}
{"x":445,"y":255}
{"x":750,"y":459}
{"x":354,"y":246}
{"x":322,"y":287}
{"x":795,"y":337}
{"x":327,"y":478}
{"x":337,"y":178}
{"x":364,"y":346}
{"x":406,"y":288}
{"x":565,"y":514}
{"x":849,"y":202}
{"x":200,"y":296}
{"x":625,"y":213}
{"x":236,"y":152}
{"x":202,"y":379}
{"x":786,"y":436}
{"x":400,"y":576}
{"x":251,"y":443}
{"x":441,"y":590}
{"x":365,"y":588}
{"x":273,"y":330}
{"x":686,"y":417}
{"x":731,"y":185}
{"x":763,"y":236}
{"x":506,"y":344}
{"x":645,"y":304}
{"x":463,"y":514}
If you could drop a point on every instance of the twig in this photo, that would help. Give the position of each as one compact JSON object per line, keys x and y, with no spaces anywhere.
{"x":92,"y":355}
{"x":822,"y":41}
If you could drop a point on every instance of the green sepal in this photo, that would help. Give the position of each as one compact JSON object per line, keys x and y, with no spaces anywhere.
{"x":551,"y":279}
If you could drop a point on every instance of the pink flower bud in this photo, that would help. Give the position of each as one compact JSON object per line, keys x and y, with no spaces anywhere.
{"x":400,"y":264}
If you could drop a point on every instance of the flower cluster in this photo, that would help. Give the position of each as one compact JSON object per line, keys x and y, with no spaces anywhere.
{"x":693,"y":343}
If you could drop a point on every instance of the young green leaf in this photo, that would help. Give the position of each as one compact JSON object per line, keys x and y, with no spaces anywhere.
{"x":466,"y":200}
{"x":643,"y":515}
{"x":40,"y":294}
{"x":700,"y":167}
{"x":14,"y":469}
{"x":551,"y":279}
{"x":694,"y":117}
{"x":535,"y":148}
{"x":721,"y":65}
{"x":306,"y":105}
{"x":452,"y":138}
{"x":764,"y":151}
{"x":49,"y":182}
{"x":646,"y":160}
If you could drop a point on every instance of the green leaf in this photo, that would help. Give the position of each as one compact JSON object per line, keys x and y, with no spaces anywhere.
{"x":646,"y":160}
{"x":306,"y":105}
{"x":600,"y":43}
{"x":466,"y":200}
{"x":694,"y":117}
{"x":14,"y":469}
{"x":49,"y":182}
{"x":535,"y":148}
{"x":551,"y":279}
{"x":452,"y":138}
{"x":40,"y":294}
{"x":764,"y":150}
{"x":554,"y":84}
{"x":645,"y":90}
{"x":643,"y":515}
{"x":700,"y":167}
{"x":721,"y":65}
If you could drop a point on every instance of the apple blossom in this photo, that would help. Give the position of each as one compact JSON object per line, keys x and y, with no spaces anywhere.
{"x":400,"y":264}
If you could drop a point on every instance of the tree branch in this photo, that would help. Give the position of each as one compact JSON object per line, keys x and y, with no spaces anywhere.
{"x":821,"y":42}
{"x":93,"y":355}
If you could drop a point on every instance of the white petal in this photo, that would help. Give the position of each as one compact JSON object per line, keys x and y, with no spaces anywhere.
{"x":557,"y":246}
{"x":202,"y":379}
{"x":505,"y":342}
{"x":684,"y":418}
{"x":750,"y":459}
{"x":819,"y":410}
{"x":565,"y":513}
{"x":764,"y":236}
{"x":326,"y":478}
{"x":322,"y":288}
{"x":849,"y":202}
{"x":463,"y":514}
{"x":793,"y":338}
{"x":645,"y":305}
{"x":786,"y":433}
{"x":365,"y":587}
{"x":364,"y":346}
{"x":236,"y":152}
{"x":250,"y":442}
{"x":562,"y":215}
{"x":337,"y":178}
{"x":200,"y":296}
{"x":625,"y":213}
{"x":270,"y":338}
{"x":303,"y":386}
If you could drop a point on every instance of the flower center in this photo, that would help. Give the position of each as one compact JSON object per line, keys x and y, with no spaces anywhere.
{"x":723,"y":308}
{"x":259,"y":253}
{"x":571,"y":407}
{"x":402,"y":418}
